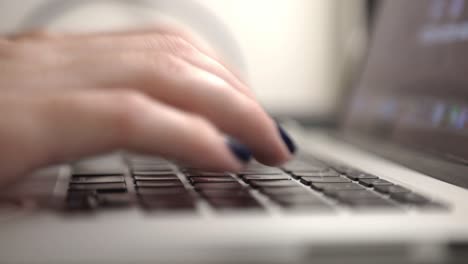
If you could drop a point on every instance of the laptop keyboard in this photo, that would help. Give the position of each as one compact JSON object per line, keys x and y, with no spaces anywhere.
{"x":303,"y":185}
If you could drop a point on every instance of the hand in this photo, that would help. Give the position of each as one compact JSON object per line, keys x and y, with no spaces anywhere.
{"x":155,"y":91}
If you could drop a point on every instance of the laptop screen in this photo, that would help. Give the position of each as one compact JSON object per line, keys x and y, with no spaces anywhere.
{"x":414,"y":87}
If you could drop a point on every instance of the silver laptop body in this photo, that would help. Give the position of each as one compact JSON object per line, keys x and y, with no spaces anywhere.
{"x":388,"y":186}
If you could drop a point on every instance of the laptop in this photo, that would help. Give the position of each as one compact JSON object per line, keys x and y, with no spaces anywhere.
{"x":388,"y":186}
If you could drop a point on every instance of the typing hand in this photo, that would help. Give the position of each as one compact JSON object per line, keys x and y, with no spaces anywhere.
{"x":155,"y":91}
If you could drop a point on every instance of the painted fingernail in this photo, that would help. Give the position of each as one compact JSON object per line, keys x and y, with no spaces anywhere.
{"x":239,"y":150}
{"x":287,"y":139}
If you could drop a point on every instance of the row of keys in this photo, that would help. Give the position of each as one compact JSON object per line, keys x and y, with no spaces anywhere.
{"x":91,"y":190}
{"x":157,"y":186}
{"x":346,"y":183}
{"x":222,"y":191}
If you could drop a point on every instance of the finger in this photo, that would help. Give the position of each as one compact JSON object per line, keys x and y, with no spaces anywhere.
{"x":77,"y":125}
{"x":178,"y":83}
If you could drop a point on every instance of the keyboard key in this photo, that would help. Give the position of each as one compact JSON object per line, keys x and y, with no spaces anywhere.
{"x":147,"y":171}
{"x":297,"y":198}
{"x":272,"y":191}
{"x":82,"y":200}
{"x":218,"y":185}
{"x":205,"y":174}
{"x":113,"y":200}
{"x":264,"y":177}
{"x":374,"y":182}
{"x":270,"y":184}
{"x":387,"y":189}
{"x":336,"y":186}
{"x":166,"y":177}
{"x":162,"y":184}
{"x":161,"y":191}
{"x":99,"y":187}
{"x":154,"y":173}
{"x":309,"y":180}
{"x":97,"y":179}
{"x":211,"y":179}
{"x":229,"y":193}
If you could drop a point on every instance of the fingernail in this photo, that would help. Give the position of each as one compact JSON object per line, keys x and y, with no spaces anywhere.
{"x":239,"y":150}
{"x":287,"y":139}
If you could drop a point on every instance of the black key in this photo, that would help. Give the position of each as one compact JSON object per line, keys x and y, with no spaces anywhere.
{"x":272,"y":191}
{"x":267,"y":177}
{"x":357,"y":175}
{"x":115,"y":200}
{"x":336,"y":186}
{"x":387,"y":189}
{"x":161,"y":191}
{"x":228,"y":193}
{"x":218,"y":185}
{"x":161,"y":184}
{"x":205,"y":174}
{"x":82,"y":200}
{"x":147,"y":171}
{"x":270,"y":184}
{"x":176,"y":197}
{"x":309,"y":180}
{"x":410,"y":198}
{"x":167,"y":204}
{"x":354,"y":194}
{"x":99,"y":187}
{"x":97,"y":179}
{"x":374,"y":182}
{"x":154,"y":173}
{"x":167,"y":177}
{"x":211,"y":179}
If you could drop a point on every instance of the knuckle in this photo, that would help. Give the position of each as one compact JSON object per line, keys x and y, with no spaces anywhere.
{"x":176,"y":44}
{"x":152,"y":68}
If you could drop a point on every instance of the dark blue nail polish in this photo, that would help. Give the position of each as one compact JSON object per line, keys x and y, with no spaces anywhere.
{"x":241,"y":152}
{"x":287,"y":139}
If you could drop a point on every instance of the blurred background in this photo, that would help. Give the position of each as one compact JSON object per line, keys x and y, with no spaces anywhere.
{"x":298,"y":55}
